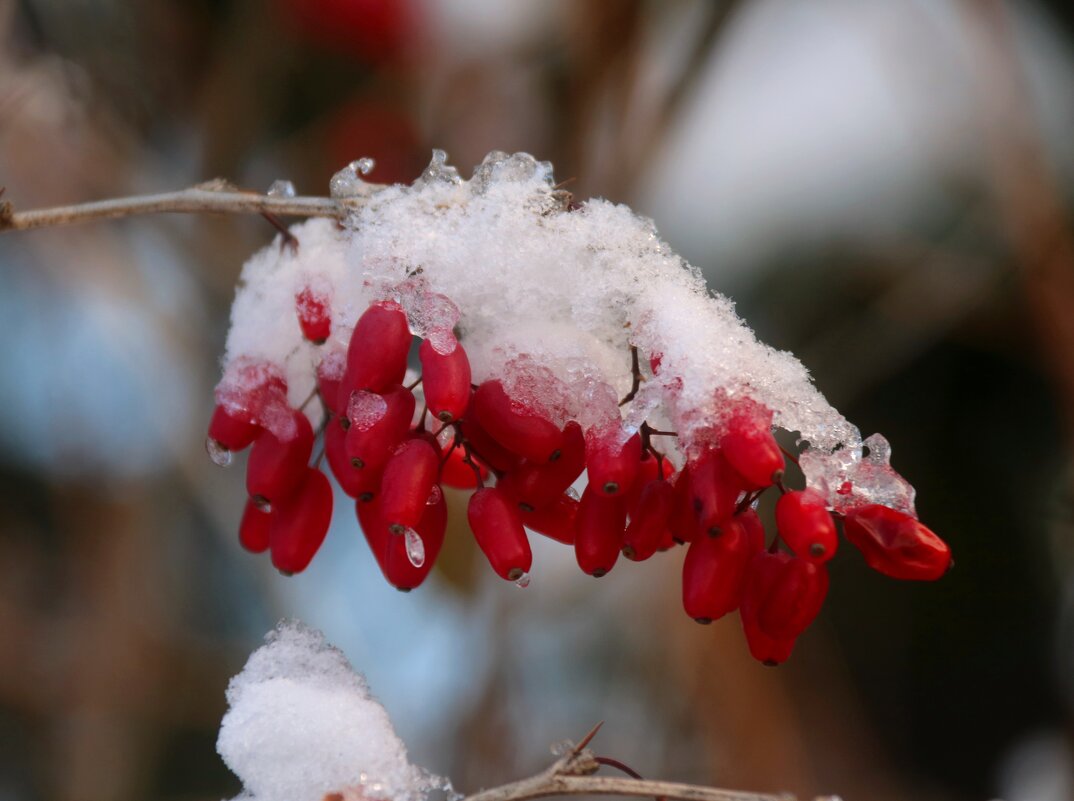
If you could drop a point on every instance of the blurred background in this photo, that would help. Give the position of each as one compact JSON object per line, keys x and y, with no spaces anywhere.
{"x":884,"y":186}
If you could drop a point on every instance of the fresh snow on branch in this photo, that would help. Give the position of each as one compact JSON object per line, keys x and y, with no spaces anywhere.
{"x":548,"y":297}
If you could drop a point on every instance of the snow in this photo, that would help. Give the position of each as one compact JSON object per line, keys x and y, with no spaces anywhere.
{"x":301,"y":724}
{"x":546,"y":298}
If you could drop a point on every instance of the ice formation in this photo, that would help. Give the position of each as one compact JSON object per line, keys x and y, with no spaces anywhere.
{"x":548,"y":296}
{"x":302,"y":724}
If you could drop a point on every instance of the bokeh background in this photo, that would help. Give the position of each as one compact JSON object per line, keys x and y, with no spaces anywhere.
{"x":883,"y":185}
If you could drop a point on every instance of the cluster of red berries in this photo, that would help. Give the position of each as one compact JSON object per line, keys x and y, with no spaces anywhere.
{"x":635,"y":504}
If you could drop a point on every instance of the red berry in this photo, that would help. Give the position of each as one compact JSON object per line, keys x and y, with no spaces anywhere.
{"x":516,"y":428}
{"x":896,"y":544}
{"x":714,"y":489}
{"x":534,"y":485}
{"x":446,"y":381}
{"x":328,"y":384}
{"x":599,"y":530}
{"x":556,"y":521}
{"x":276,"y":468}
{"x":794,"y":598}
{"x":649,"y":521}
{"x":763,"y":573}
{"x":314,"y":315}
{"x":612,"y":461}
{"x":806,"y":525}
{"x":752,"y":451}
{"x":683,"y":525}
{"x":649,"y":469}
{"x":714,"y":572}
{"x":751,"y":522}
{"x":458,"y":474}
{"x":485,"y":447}
{"x":376,"y":358}
{"x":232,"y":431}
{"x":376,"y":533}
{"x":254,"y":528}
{"x":300,"y":523}
{"x":407,"y":484}
{"x":361,"y":484}
{"x":497,"y":527}
{"x":401,"y":571}
{"x":369,"y":442}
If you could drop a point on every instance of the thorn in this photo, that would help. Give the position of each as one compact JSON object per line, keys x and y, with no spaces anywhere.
{"x":586,"y":740}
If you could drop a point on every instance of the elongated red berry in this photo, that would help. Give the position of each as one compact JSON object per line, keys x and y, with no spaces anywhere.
{"x":896,"y":544}
{"x":400,"y":569}
{"x":751,"y":522}
{"x":328,"y":384}
{"x":300,"y":523}
{"x":794,"y":598}
{"x":684,"y":524}
{"x":613,"y":460}
{"x":752,"y":451}
{"x":232,"y":431}
{"x":494,"y":518}
{"x":649,"y":521}
{"x":314,"y":315}
{"x":487,"y":449}
{"x":556,"y":521}
{"x":407,"y":484}
{"x":535,"y":485}
{"x":764,"y":648}
{"x":457,"y":473}
{"x":376,"y":357}
{"x":763,"y":572}
{"x":714,"y":572}
{"x":276,"y":468}
{"x":714,"y":489}
{"x":599,"y":530}
{"x":360,"y":484}
{"x":254,"y":528}
{"x":446,"y":381}
{"x":376,"y":532}
{"x":650,"y":469}
{"x":371,"y":438}
{"x":806,"y":525}
{"x":520,"y":430}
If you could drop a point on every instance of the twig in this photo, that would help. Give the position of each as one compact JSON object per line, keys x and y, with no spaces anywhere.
{"x":213,"y":197}
{"x":572,"y":774}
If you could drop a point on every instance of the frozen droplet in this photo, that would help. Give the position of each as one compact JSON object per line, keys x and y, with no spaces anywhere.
{"x":220,"y":455}
{"x":415,"y":547}
{"x":435,"y":496}
{"x":363,"y":777}
{"x":573,"y":494}
{"x":348,"y":181}
{"x":523,"y":581}
{"x":366,"y":409}
{"x":439,"y":171}
{"x":562,"y":747}
{"x":281,"y":188}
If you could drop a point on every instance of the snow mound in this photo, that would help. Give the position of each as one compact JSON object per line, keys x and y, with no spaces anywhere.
{"x":301,"y":724}
{"x":546,"y":295}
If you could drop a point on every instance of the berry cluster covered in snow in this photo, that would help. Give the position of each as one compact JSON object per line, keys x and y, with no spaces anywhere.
{"x":555,"y":338}
{"x":301,"y":724}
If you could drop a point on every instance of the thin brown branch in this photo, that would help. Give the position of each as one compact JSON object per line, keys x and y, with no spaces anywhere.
{"x":573,"y":773}
{"x":214,"y":197}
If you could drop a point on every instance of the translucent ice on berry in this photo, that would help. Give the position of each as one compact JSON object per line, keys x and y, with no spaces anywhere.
{"x":415,"y":547}
{"x":523,"y":581}
{"x":365,"y":409}
{"x":848,"y":479}
{"x":301,"y":724}
{"x":435,"y":496}
{"x":431,"y":315}
{"x":220,"y":455}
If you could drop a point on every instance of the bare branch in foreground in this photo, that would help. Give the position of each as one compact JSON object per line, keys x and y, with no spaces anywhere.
{"x":213,"y":197}
{"x":572,"y":774}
